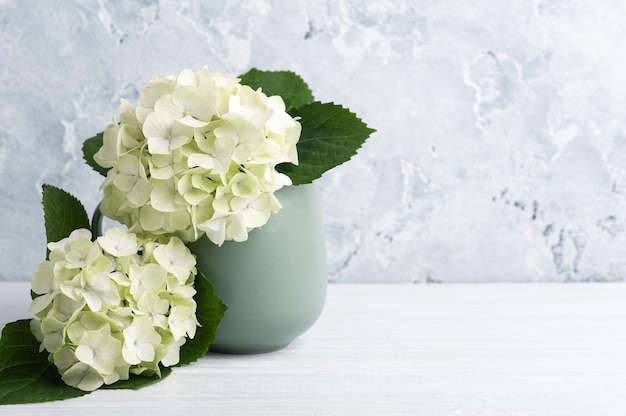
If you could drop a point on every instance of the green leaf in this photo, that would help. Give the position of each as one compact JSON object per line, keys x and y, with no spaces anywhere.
{"x":294,"y":91}
{"x":331,"y":135}
{"x":90,"y":148}
{"x":26,"y":375}
{"x":136,"y":382}
{"x":63,"y":213}
{"x":209,"y":312}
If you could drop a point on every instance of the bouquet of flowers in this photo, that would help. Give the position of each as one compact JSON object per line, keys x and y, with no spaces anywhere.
{"x":197,"y":155}
{"x":113,"y":306}
{"x":202,"y":153}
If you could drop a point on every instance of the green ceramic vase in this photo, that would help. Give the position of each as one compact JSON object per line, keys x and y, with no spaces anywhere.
{"x":275,"y":282}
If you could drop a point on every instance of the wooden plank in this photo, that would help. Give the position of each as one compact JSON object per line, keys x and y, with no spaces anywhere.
{"x":488,"y":349}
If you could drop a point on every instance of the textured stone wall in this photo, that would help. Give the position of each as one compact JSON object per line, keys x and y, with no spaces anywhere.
{"x":501,"y":146}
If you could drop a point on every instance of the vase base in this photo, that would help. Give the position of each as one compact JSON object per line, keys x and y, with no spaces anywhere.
{"x":246,"y":350}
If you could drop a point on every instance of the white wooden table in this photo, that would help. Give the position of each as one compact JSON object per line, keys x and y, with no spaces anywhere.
{"x":479,"y":349}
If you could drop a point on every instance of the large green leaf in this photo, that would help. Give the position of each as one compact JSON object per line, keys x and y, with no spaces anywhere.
{"x":26,"y":375}
{"x":62,"y":212}
{"x":331,"y":135}
{"x":293,"y":90}
{"x":209,"y":312}
{"x":90,"y":148}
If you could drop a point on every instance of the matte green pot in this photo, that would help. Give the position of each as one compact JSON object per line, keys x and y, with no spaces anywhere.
{"x":275,"y":282}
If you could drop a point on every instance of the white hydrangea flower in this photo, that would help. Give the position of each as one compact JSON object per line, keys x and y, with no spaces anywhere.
{"x":176,"y":159}
{"x":176,"y":260}
{"x":114,"y":306}
{"x":140,"y":341}
{"x":118,"y":242}
{"x":99,"y":350}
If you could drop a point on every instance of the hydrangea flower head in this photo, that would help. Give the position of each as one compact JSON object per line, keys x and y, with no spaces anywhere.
{"x":197,"y":155}
{"x":114,"y":306}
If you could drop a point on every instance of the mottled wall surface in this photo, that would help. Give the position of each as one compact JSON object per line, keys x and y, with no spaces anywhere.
{"x":501,"y":145}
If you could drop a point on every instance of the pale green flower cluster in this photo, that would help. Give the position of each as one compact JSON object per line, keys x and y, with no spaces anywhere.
{"x":197,"y":155}
{"x":113,"y":307}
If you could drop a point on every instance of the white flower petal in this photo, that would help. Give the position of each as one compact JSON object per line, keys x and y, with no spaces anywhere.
{"x":40,"y":303}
